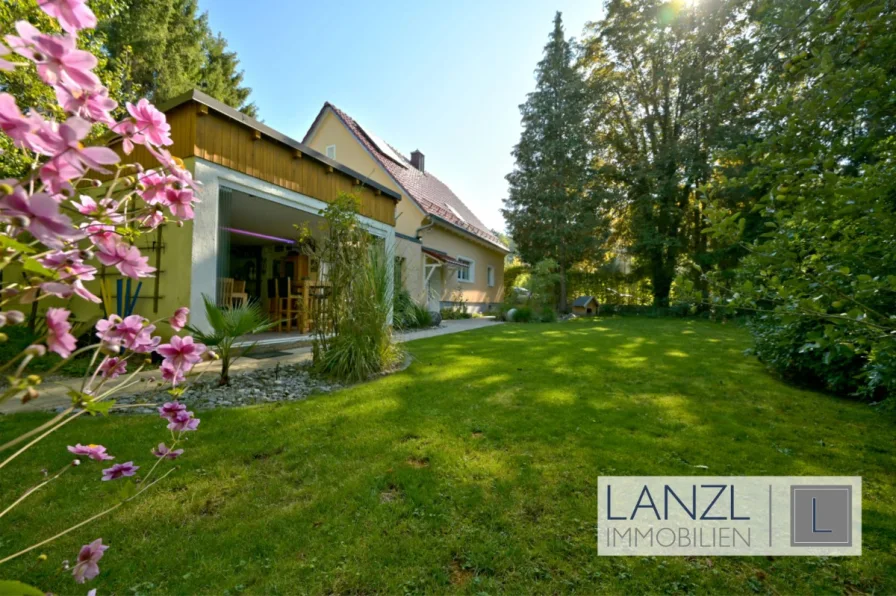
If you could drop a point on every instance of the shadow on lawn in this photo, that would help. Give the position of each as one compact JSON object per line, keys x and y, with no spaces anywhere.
{"x":484,"y":456}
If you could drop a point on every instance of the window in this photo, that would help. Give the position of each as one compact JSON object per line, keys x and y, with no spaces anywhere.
{"x":331,"y":151}
{"x":467,"y":272}
{"x":491,"y":276}
{"x":456,"y":214}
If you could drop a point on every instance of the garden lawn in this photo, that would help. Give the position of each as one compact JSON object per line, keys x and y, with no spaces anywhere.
{"x":473,"y":471}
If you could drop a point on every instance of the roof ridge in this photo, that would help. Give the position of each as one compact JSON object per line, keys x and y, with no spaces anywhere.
{"x":409,"y":178}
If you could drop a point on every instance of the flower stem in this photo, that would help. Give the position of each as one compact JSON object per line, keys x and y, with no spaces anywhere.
{"x":34,"y":489}
{"x":85,"y":522}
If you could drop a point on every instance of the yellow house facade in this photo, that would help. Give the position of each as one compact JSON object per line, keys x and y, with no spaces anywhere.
{"x":446,"y":256}
{"x":256,"y":186}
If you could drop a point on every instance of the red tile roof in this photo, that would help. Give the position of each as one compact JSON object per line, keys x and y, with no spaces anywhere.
{"x":433,"y":196}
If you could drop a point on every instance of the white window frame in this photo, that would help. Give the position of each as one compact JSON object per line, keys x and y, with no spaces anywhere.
{"x":333,"y":147}
{"x":471,"y":268}
{"x":490,"y":276}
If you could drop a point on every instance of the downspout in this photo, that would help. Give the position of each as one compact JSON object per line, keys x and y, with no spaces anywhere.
{"x":419,"y":233}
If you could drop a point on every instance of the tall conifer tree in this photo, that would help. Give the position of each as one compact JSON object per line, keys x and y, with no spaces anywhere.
{"x":551,"y":210}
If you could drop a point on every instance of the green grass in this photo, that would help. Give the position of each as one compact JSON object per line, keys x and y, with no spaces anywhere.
{"x":474,"y":471}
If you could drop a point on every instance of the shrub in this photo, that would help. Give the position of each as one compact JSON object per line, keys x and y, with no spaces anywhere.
{"x":542,"y":285}
{"x":523,"y":314}
{"x":354,"y":339}
{"x":548,"y":315}
{"x":409,"y":314}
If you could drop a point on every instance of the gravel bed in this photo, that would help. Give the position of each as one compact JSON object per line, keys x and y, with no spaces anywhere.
{"x":266,"y":385}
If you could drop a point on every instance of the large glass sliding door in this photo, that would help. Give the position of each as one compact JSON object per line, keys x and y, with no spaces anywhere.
{"x":225,"y":208}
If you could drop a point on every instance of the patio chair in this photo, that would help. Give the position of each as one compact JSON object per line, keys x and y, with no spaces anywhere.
{"x":225,"y":292}
{"x":239,"y":297}
{"x":285,"y":307}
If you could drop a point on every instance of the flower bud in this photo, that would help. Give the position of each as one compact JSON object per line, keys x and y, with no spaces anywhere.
{"x":110,"y":349}
{"x":3,"y":338}
{"x":9,"y":291}
{"x":2,"y":319}
{"x":14,"y":317}
{"x":30,"y":394}
{"x":210,"y":356}
{"x":33,"y":379}
{"x":42,"y":557}
{"x":76,"y":462}
{"x":35,"y":350}
{"x":6,"y":189}
{"x":20,"y":221}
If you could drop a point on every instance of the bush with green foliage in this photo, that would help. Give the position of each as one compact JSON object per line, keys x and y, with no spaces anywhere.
{"x":353,"y":338}
{"x":542,"y":285}
{"x":409,"y":314}
{"x":821,"y":171}
{"x":522,"y":314}
{"x":458,"y":310}
{"x":229,"y":324}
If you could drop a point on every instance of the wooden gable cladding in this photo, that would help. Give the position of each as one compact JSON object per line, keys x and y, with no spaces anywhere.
{"x":222,"y":141}
{"x":183,"y":134}
{"x":197,"y":131}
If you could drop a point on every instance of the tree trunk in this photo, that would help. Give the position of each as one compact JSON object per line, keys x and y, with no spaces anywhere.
{"x":563,"y":302}
{"x":225,"y":372}
{"x":662,"y":286}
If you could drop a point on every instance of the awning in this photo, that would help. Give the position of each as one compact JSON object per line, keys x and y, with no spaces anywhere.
{"x":442,"y":257}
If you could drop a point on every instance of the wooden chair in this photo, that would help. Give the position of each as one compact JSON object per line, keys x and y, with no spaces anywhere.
{"x":225,"y":292}
{"x":238,"y":296}
{"x":314,"y":315}
{"x":285,"y":307}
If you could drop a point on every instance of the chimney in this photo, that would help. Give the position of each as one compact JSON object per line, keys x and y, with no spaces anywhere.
{"x":417,"y":160}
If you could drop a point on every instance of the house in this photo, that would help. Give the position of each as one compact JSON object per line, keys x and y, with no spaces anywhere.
{"x":584,"y":306}
{"x":445,"y":254}
{"x":257,"y":186}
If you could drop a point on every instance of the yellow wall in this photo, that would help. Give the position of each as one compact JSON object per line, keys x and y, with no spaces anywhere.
{"x":477,"y":292}
{"x":174,"y":280}
{"x":349,"y":151}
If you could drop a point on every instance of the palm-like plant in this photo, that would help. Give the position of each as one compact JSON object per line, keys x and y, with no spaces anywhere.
{"x":228,"y":324}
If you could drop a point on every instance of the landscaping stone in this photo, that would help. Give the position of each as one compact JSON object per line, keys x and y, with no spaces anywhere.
{"x":266,"y":385}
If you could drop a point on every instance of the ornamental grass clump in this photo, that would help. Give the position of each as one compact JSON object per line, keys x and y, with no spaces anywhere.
{"x":58,"y":224}
{"x":353,"y":336}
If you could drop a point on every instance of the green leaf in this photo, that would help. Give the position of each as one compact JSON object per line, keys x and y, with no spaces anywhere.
{"x":7,"y":242}
{"x":99,"y":407}
{"x":78,"y":398}
{"x":126,"y":490}
{"x":11,"y":587}
{"x":31,"y":265}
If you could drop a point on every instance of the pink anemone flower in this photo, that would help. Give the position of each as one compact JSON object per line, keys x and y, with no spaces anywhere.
{"x":87,"y":567}
{"x":59,"y":339}
{"x":95,"y":452}
{"x":120,"y":471}
{"x":73,"y":15}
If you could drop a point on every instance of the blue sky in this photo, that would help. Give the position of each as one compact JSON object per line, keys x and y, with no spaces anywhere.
{"x":444,"y":77}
